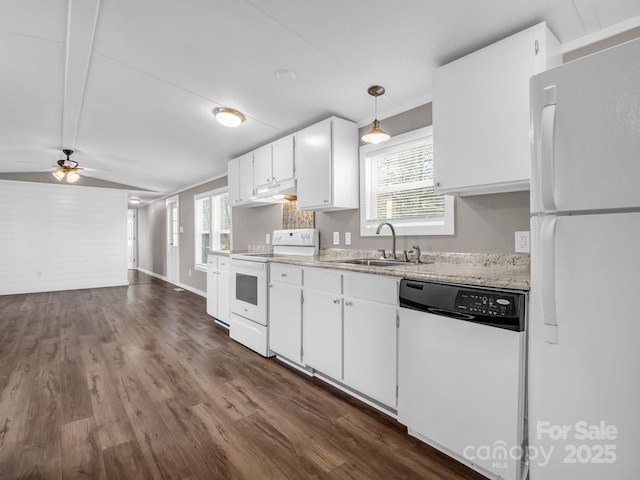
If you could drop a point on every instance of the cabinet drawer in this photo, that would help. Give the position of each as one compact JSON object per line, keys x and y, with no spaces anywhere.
{"x":212,"y":261}
{"x":377,"y":288}
{"x":286,"y":274}
{"x":323,"y":279}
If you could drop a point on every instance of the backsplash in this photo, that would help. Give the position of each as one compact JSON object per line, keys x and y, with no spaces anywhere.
{"x":294,"y":218}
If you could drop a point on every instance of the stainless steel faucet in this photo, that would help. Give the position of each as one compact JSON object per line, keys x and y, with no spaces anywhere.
{"x":393,"y":236}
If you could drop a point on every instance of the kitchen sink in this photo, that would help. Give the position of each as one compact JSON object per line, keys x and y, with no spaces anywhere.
{"x":371,"y":262}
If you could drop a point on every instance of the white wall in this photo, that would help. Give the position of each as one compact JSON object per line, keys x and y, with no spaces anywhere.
{"x":61,"y":237}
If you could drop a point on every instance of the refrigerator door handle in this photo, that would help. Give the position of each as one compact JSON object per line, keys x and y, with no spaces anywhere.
{"x":548,"y":257}
{"x":547,"y":142}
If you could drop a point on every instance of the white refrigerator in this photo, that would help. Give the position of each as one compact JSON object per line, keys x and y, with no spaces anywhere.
{"x":584,"y":318}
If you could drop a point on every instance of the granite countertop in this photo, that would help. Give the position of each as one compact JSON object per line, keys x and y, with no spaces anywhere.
{"x":222,"y":253}
{"x":486,"y":270}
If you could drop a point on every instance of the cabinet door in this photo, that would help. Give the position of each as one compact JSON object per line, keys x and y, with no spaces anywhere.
{"x":223,"y":294}
{"x":322,"y":332}
{"x":285,"y":320}
{"x":246,"y":177}
{"x":313,"y":165}
{"x":233,"y":178}
{"x":481,"y":116}
{"x":370,"y":349}
{"x":282,"y":159}
{"x":212,"y":288}
{"x":262,"y":169}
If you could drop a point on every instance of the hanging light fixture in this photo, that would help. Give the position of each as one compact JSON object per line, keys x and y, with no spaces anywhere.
{"x":228,"y":116}
{"x":376,"y":134}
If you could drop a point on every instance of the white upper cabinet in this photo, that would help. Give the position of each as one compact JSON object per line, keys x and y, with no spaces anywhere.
{"x":262,"y":169}
{"x":256,"y":176}
{"x":273,"y":167}
{"x":327,"y":165}
{"x":283,"y":165}
{"x":240,"y":180}
{"x":481,"y":114}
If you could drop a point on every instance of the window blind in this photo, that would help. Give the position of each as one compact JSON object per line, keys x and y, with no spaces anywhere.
{"x":399,"y":185}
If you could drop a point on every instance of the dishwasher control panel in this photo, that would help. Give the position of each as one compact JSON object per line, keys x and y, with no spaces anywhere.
{"x":486,"y":303}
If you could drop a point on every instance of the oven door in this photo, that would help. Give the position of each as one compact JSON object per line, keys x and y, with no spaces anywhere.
{"x":249,"y":290}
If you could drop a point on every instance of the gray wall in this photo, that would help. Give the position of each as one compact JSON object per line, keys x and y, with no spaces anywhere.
{"x":251,"y":224}
{"x":483,"y":224}
{"x":152,"y":236}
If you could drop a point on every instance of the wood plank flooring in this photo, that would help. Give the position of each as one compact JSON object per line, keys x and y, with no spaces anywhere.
{"x":138,"y":382}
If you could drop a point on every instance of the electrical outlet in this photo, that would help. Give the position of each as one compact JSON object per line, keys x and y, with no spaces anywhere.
{"x":336,"y":238}
{"x":523,"y":242}
{"x":181,"y":229}
{"x":347,"y":238}
{"x":267,"y":238}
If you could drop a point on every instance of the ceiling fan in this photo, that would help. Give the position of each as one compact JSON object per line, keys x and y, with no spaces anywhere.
{"x":68,"y":168}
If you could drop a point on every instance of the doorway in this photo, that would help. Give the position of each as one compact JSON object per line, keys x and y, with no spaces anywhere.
{"x":132,"y":239}
{"x":173,"y":233}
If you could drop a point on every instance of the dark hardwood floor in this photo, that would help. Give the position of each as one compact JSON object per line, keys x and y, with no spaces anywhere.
{"x":138,"y":382}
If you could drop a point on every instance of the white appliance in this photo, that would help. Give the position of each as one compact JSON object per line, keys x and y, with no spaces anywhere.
{"x":249,"y":322}
{"x":584,"y":378}
{"x":461,"y":372}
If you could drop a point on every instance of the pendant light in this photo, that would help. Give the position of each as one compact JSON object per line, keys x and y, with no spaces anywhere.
{"x":376,"y":134}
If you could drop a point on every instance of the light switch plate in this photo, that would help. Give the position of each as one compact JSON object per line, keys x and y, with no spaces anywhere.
{"x":336,"y":238}
{"x":347,"y":238}
{"x":523,"y":242}
{"x":267,"y":238}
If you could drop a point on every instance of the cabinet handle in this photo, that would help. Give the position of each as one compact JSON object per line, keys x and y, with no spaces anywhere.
{"x":437,"y":184}
{"x":271,"y":285}
{"x":336,"y":300}
{"x":348,"y":304}
{"x":283,"y":274}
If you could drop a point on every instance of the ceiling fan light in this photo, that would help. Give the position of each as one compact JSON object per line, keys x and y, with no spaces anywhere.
{"x":72,"y":177}
{"x":228,"y":116}
{"x":59,"y":174}
{"x":376,"y":134}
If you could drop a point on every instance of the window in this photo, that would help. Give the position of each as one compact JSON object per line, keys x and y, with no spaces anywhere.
{"x":212,"y":224}
{"x":396,"y":186}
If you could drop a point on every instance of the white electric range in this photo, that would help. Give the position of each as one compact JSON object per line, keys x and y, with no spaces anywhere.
{"x":249,"y":276}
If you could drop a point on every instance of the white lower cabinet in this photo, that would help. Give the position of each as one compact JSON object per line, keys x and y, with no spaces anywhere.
{"x":371,"y":349}
{"x":346,"y":324}
{"x":218,"y":287}
{"x":285,"y":311}
{"x":322,"y":322}
{"x":371,"y":335}
{"x":323,"y":333}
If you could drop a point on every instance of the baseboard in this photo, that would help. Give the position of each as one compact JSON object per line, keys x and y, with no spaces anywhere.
{"x":177,"y":284}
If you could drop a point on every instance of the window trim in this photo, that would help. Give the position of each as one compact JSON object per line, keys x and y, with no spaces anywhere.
{"x":199,"y":196}
{"x":446,"y":226}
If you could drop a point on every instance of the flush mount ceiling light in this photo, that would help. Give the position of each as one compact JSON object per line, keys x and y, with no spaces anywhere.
{"x":228,"y":116}
{"x":134,"y":200}
{"x":67,"y":168}
{"x":376,"y":134}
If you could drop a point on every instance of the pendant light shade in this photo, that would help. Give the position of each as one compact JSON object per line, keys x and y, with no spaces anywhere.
{"x":228,"y":116}
{"x":376,"y":134}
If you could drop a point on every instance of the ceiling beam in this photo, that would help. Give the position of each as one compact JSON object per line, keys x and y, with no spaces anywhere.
{"x":81,"y":25}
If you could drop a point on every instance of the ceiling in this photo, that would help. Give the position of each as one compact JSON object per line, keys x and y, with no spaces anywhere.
{"x":130,"y":84}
